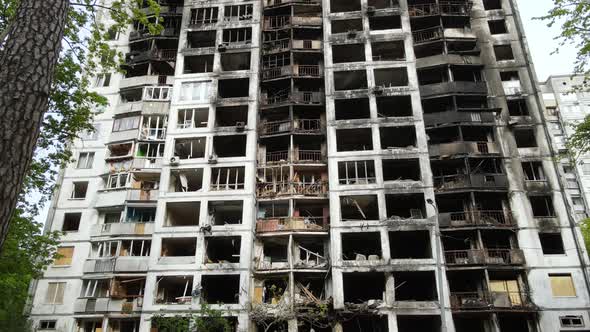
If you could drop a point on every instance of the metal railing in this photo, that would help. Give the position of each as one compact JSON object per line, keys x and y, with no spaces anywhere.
{"x":442,"y":8}
{"x":300,"y":156}
{"x":282,"y":188}
{"x":275,"y":127}
{"x":276,"y":45}
{"x":275,"y":22}
{"x":198,"y":22}
{"x":496,"y":218}
{"x":282,"y":224}
{"x":297,"y":97}
{"x":308,"y":70}
{"x":484,"y":256}
{"x":507,"y":300}
{"x":450,"y":181}
{"x":309,"y":126}
{"x":426,"y":35}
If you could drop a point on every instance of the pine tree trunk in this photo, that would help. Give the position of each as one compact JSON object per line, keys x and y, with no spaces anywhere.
{"x":28,"y":57}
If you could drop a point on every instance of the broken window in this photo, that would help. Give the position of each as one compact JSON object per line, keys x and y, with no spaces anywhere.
{"x":359,"y":207}
{"x":222,"y":249}
{"x":350,"y":80}
{"x":174,"y":289}
{"x":179,"y":247}
{"x":186,"y":180}
{"x":517,"y":107}
{"x":348,"y":109}
{"x":227,"y":178}
{"x":157,"y":93}
{"x":348,"y":26}
{"x":213,"y":293}
{"x":238,"y":12}
{"x":93,"y":288}
{"x":117,"y":180}
{"x":348,"y":53}
{"x":497,"y":27}
{"x":225,"y":212}
{"x":203,"y":16}
{"x":551,"y":243}
{"x":311,"y":253}
{"x":354,"y":139}
{"x":388,"y":51}
{"x":361,"y":246}
{"x":127,"y":123}
{"x":199,"y":39}
{"x":542,"y":206}
{"x":140,"y":214}
{"x":119,"y":151}
{"x":398,"y":137}
{"x":492,"y":4}
{"x":385,"y":22}
{"x":198,"y":64}
{"x":391,"y":77}
{"x":104,"y":249}
{"x":235,"y":61}
{"x":275,"y":253}
{"x":356,"y":172}
{"x":64,"y":256}
{"x":533,"y":171}
{"x":373,"y":286}
{"x":150,"y":151}
{"x":562,"y":285}
{"x":182,"y":213}
{"x":102,"y":80}
{"x":79,"y":190}
{"x":229,"y":146}
{"x":233,"y":88}
{"x":339,"y":6}
{"x":415,"y":286}
{"x":189,"y":148}
{"x":237,"y":36}
{"x":401,"y":170}
{"x":503,"y":52}
{"x":525,"y":138}
{"x":410,"y":245}
{"x":571,"y":321}
{"x":405,"y":206}
{"x":394,"y":106}
{"x":55,"y":293}
{"x":419,"y":323}
{"x":364,"y":323}
{"x":231,"y":116}
{"x":85,"y":160}
{"x":71,"y":222}
{"x":192,"y":118}
{"x":47,"y":324}
{"x":139,"y":248}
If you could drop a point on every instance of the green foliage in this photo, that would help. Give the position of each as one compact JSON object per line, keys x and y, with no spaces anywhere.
{"x":204,"y":320}
{"x":585,"y":229}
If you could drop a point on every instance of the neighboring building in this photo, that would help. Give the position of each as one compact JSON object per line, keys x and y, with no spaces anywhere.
{"x":384,"y":161}
{"x":566,"y":105}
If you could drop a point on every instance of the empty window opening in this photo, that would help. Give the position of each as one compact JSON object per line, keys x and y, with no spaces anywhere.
{"x":410,"y":245}
{"x":415,"y":286}
{"x":95,"y":288}
{"x":347,"y":26}
{"x":350,"y":80}
{"x":492,"y":4}
{"x":354,"y":139}
{"x":388,"y":51}
{"x":338,"y":6}
{"x":47,"y":324}
{"x":525,"y":138}
{"x":226,"y":212}
{"x":373,"y":286}
{"x":231,"y":116}
{"x":179,"y":247}
{"x":234,"y":88}
{"x":89,"y":325}
{"x":394,"y":106}
{"x":227,"y":178}
{"x":140,"y":214}
{"x":198,"y":64}
{"x":235,"y":61}
{"x":385,"y":22}
{"x":469,"y":324}
{"x":79,"y":190}
{"x":71,"y":222}
{"x":405,"y":206}
{"x":238,"y":12}
{"x":391,"y":77}
{"x":497,"y":27}
{"x":349,"y":109}
{"x":533,"y":171}
{"x":364,"y":323}
{"x":510,"y":75}
{"x":361,"y":246}
{"x":237,"y":36}
{"x":135,"y":248}
{"x":542,"y":206}
{"x":85,"y":160}
{"x":229,"y":146}
{"x":150,"y":150}
{"x":401,"y":170}
{"x":272,"y":291}
{"x":275,"y":253}
{"x":398,"y":137}
{"x":182,"y":213}
{"x":124,"y":325}
{"x":198,"y":39}
{"x":311,"y":253}
{"x":120,"y":151}
{"x":359,"y":207}
{"x":356,"y":172}
{"x":213,"y":293}
{"x":112,"y":217}
{"x":203,"y":16}
{"x":348,"y":53}
{"x":419,"y":323}
{"x":186,"y":180}
{"x":174,"y":289}
{"x":222,"y":249}
{"x":517,"y":107}
{"x":503,"y":52}
{"x":189,"y":148}
{"x":192,"y":118}
{"x":552,"y":243}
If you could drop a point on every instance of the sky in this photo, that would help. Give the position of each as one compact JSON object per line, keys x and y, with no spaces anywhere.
{"x":541,"y":43}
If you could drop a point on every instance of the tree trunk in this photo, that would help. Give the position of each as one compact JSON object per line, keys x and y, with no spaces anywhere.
{"x":28,"y":57}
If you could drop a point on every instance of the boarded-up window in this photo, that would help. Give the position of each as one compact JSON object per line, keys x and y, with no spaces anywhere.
{"x":55,"y":292}
{"x":562,"y":285}
{"x":65,"y":256}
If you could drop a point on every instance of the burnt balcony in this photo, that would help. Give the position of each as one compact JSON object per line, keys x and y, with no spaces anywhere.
{"x":301,"y":71}
{"x":172,"y":32}
{"x":464,"y":148}
{"x":440,"y":33}
{"x":286,"y":97}
{"x":470,"y":181}
{"x":289,"y":224}
{"x":444,"y":118}
{"x":274,"y":3}
{"x":291,"y":188}
{"x":491,"y":218}
{"x":284,"y":45}
{"x":491,"y":301}
{"x":298,"y":126}
{"x":294,"y":156}
{"x":484,"y":257}
{"x":537,"y":185}
{"x":286,"y":21}
{"x":443,"y":8}
{"x":456,"y":87}
{"x":151,"y":55}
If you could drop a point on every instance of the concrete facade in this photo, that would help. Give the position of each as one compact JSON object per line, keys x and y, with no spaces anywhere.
{"x":344,"y":165}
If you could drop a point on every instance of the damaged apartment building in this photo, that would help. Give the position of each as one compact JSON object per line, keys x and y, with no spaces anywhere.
{"x":318,"y":165}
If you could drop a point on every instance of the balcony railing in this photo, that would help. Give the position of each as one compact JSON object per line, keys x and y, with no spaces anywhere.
{"x":299,"y":156}
{"x":297,"y":97}
{"x":514,"y":300}
{"x":303,"y":126}
{"x":279,"y":22}
{"x":496,"y":218}
{"x":308,"y":70}
{"x":442,"y":8}
{"x":462,"y":181}
{"x":295,"y":70}
{"x":283,"y":224}
{"x":286,"y":188}
{"x":270,"y":3}
{"x":484,"y":256}
{"x":426,"y":35}
{"x":460,"y":148}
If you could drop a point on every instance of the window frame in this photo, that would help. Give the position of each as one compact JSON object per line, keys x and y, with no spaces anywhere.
{"x":554,"y":276}
{"x":59,"y":289}
{"x":85,"y":160}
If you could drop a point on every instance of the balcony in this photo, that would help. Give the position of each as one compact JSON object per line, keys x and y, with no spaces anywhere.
{"x":299,"y":126}
{"x":537,"y":185}
{"x":301,"y":71}
{"x":458,"y":87}
{"x":151,"y":55}
{"x":512,"y":87}
{"x":116,"y":197}
{"x":297,"y":97}
{"x":470,"y":181}
{"x":147,"y":163}
{"x":145,"y":107}
{"x":291,"y":188}
{"x":283,"y":22}
{"x":105,"y":304}
{"x":444,"y":118}
{"x":491,"y":301}
{"x":145,"y":33}
{"x":440,"y":34}
{"x":496,"y":218}
{"x":484,"y":257}
{"x":117,"y":264}
{"x":298,"y":157}
{"x":463,"y":148}
{"x":288,"y":224}
{"x":273,"y":3}
{"x":124,"y":228}
{"x":130,"y":82}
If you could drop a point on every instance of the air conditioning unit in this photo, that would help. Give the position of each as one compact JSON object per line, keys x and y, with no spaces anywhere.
{"x":240,"y":126}
{"x":174,"y":161}
{"x":212,"y":159}
{"x":221,"y":47}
